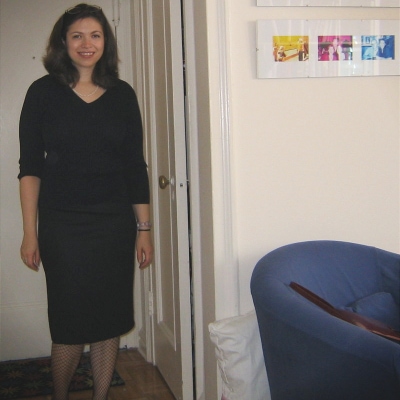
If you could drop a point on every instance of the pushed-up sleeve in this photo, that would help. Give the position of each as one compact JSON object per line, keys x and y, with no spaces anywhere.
{"x":32,"y":151}
{"x":135,"y":167}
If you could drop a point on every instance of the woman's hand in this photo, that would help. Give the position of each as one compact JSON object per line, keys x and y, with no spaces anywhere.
{"x":144,"y":249}
{"x":30,"y":252}
{"x":144,"y":243}
{"x":29,"y":192}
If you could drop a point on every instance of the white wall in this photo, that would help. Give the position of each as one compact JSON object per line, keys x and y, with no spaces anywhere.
{"x":23,"y":292}
{"x":312,"y":158}
{"x":291,"y":159}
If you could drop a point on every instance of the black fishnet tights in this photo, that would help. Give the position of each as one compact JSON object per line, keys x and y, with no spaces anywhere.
{"x":103,"y":356}
{"x":65,"y":359}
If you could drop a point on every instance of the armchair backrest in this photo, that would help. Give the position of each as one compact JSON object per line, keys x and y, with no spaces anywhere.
{"x":339,"y":272}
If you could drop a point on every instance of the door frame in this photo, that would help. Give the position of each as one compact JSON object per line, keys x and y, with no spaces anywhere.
{"x":139,"y":52}
{"x":215,"y":277}
{"x":222,"y":265}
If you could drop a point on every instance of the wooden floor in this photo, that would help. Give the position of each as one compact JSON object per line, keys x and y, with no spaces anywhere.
{"x":142,"y":381}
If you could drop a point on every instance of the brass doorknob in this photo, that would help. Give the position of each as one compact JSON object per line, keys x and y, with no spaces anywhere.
{"x":163,"y":182}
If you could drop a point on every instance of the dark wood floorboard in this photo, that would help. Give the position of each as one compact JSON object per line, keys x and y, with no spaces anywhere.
{"x":142,"y":381}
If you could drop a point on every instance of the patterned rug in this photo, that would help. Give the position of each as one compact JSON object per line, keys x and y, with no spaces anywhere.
{"x":28,"y":378}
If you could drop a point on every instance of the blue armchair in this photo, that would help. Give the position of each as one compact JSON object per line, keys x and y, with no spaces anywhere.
{"x":311,"y":355}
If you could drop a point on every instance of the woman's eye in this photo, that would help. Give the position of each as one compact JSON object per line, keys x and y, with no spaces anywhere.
{"x":96,"y":36}
{"x":76,"y":36}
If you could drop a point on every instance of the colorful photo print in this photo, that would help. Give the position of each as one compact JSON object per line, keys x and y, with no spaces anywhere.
{"x":377,"y":47}
{"x":290,"y":48}
{"x":335,"y":48}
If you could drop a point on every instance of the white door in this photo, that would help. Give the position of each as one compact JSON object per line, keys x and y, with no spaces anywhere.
{"x":161,"y":38}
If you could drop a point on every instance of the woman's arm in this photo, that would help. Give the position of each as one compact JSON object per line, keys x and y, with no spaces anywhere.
{"x":144,"y":244}
{"x":29,"y":194}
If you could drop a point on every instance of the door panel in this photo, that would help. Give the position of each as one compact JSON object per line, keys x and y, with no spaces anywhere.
{"x":172,"y":332}
{"x":165,"y":136}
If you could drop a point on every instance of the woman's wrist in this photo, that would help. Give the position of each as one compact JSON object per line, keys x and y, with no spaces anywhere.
{"x":30,"y":232}
{"x":144,"y":226}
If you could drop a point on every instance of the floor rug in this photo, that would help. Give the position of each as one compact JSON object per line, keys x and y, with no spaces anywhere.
{"x":28,"y":378}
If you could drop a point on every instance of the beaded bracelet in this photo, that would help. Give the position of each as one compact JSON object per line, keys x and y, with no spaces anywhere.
{"x":145,"y":224}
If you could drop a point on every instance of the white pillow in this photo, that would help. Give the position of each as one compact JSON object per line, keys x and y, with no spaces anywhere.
{"x":240,"y":358}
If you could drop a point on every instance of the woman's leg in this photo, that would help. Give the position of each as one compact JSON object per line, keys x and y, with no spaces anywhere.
{"x":103,"y":356}
{"x":64,"y":361}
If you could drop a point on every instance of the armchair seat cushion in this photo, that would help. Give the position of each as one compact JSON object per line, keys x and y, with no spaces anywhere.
{"x":380,"y":306}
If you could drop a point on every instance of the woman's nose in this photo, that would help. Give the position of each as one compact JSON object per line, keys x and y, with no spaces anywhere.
{"x":86,"y":42}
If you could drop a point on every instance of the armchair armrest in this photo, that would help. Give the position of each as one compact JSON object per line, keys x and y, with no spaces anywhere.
{"x":311,"y":355}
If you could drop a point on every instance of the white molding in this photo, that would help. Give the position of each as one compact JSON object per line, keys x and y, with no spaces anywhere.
{"x":227,"y":271}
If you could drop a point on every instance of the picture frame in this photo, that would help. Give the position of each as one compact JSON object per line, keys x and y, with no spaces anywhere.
{"x":327,"y":48}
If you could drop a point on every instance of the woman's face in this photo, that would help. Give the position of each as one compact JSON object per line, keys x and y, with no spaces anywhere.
{"x":85,"y":43}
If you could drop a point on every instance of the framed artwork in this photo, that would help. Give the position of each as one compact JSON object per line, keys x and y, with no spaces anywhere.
{"x":327,"y":48}
{"x":279,"y":49}
{"x":328,"y":3}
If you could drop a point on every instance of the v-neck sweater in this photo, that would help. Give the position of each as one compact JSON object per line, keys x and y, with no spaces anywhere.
{"x":84,"y":153}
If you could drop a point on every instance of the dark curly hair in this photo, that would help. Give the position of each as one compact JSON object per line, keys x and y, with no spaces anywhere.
{"x":57,"y":61}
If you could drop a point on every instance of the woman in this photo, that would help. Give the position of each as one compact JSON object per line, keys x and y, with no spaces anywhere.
{"x":82,"y":171}
{"x":337,"y":50}
{"x":329,"y":55}
{"x":384,"y":51}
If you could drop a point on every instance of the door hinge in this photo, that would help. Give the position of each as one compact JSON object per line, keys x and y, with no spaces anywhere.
{"x":116,"y":12}
{"x":151,"y":304}
{"x":116,"y":8}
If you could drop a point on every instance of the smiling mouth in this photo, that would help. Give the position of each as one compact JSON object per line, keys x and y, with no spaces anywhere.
{"x":86,"y":54}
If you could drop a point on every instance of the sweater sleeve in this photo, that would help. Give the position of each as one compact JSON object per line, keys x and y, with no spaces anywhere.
{"x":135,"y":167}
{"x":30,"y":134}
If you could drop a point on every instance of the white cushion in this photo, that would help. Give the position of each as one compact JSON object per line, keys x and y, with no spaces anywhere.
{"x":240,"y":358}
